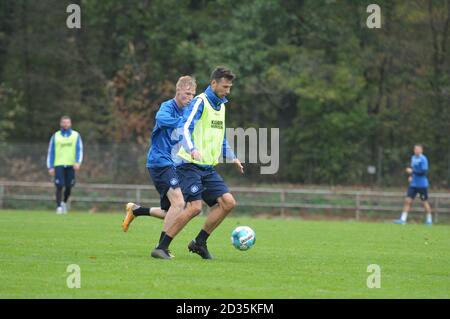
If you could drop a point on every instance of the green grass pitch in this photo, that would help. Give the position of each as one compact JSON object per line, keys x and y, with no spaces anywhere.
{"x":291,"y":259}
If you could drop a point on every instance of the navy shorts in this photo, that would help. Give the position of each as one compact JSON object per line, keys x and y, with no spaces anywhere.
{"x":64,"y":176}
{"x":412,"y":192}
{"x":164,"y":178}
{"x":199,"y":183}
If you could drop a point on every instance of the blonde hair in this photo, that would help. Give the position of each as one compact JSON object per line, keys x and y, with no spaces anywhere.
{"x":186,"y":82}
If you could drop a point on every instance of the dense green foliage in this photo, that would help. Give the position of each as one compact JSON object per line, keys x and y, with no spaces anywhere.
{"x":291,"y":259}
{"x":344,"y":96}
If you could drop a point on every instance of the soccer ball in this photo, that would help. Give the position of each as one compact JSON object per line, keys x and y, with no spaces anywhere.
{"x":243,"y":237}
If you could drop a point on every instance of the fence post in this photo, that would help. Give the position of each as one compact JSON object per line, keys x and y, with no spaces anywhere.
{"x":138,"y":195}
{"x":283,"y":201}
{"x":436,"y":208}
{"x":2,"y":192}
{"x":358,"y":205}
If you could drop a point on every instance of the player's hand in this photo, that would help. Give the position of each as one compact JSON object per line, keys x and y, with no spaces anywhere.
{"x":51,"y":172}
{"x":239,"y":165}
{"x":76,"y":166}
{"x":409,"y":170}
{"x":410,"y":179}
{"x":196,"y":155}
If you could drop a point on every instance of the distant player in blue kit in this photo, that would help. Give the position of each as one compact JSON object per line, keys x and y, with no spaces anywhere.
{"x":418,"y":184}
{"x":161,"y":155}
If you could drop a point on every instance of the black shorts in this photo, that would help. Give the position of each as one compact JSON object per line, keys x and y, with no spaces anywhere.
{"x":64,"y":176}
{"x":412,"y":192}
{"x":199,"y":183}
{"x":164,"y":178}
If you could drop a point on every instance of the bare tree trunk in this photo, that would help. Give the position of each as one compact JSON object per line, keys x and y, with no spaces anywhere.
{"x":26,"y":55}
{"x":441,"y":115}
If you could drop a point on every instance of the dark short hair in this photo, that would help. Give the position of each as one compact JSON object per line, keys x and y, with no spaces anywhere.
{"x":65,"y":117}
{"x":222,"y":73}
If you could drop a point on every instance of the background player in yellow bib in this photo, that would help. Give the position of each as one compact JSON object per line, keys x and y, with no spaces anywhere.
{"x":203,"y":142}
{"x":65,"y":154}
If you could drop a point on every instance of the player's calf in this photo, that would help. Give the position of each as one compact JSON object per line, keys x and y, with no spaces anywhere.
{"x":406,"y":208}
{"x":133,"y":210}
{"x":428,"y":216}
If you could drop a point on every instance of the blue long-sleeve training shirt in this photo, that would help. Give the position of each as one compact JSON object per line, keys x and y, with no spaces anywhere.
{"x":164,"y":139}
{"x":419,"y":165}
{"x":51,"y":148}
{"x":192,"y":114}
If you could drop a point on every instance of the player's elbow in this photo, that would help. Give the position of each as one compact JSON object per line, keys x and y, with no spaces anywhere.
{"x":162,"y":119}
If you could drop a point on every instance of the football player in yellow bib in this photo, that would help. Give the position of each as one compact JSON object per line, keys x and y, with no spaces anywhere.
{"x":203,"y":143}
{"x":65,"y":154}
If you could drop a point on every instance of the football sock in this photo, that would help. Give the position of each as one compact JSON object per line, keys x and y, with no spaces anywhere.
{"x":141,"y":211}
{"x":201,"y":237}
{"x":404,"y":216}
{"x":58,"y":196}
{"x":67,"y":193}
{"x":165,"y":242}
{"x":429,"y":219}
{"x":162,"y":235}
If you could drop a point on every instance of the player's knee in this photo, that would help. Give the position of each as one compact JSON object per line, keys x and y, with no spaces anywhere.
{"x":228,"y":202}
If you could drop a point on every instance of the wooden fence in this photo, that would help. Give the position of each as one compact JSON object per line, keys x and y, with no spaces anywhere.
{"x":280,"y":199}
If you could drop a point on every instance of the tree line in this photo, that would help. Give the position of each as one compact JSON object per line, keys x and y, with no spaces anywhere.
{"x":345,"y":97}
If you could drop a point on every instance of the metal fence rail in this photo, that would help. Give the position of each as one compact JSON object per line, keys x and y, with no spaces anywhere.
{"x":281,"y":199}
